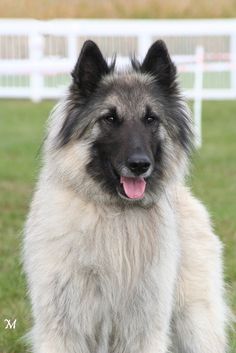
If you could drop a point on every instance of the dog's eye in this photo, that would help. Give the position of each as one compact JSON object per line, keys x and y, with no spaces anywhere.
{"x":110,"y":118}
{"x":150,"y":119}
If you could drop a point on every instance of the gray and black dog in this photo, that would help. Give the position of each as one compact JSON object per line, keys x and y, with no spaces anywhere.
{"x":119,"y":256}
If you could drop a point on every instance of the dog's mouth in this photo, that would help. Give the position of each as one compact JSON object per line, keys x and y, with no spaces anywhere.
{"x":133,"y":188}
{"x":130,"y":188}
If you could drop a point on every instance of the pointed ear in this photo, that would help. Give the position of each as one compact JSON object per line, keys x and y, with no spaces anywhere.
{"x":158,"y":63}
{"x":90,"y":68}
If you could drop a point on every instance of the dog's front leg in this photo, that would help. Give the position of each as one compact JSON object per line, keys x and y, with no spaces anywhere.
{"x":199,"y":329}
{"x":160,"y":344}
{"x":150,"y":315}
{"x":201,"y":315}
{"x":70,"y":315}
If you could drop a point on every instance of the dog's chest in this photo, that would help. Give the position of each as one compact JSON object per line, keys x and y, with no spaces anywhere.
{"x":118,"y":244}
{"x":115,"y":250}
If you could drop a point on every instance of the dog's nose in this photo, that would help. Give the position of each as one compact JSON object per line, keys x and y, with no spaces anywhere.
{"x":138,"y":163}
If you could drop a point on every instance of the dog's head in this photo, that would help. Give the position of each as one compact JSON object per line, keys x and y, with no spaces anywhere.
{"x":123,"y":136}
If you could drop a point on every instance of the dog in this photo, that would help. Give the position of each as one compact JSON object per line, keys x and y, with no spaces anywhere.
{"x":119,"y":256}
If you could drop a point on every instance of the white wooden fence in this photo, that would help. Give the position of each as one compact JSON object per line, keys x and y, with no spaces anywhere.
{"x":36,"y":57}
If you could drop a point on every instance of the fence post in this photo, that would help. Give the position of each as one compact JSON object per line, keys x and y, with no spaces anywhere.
{"x":233,"y":61}
{"x":198,"y":95}
{"x":35,"y":56}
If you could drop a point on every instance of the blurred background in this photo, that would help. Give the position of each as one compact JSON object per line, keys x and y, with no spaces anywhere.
{"x":39,"y":45}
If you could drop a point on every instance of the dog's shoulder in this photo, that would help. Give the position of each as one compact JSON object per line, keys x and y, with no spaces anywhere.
{"x":196,"y":232}
{"x":190,"y":207}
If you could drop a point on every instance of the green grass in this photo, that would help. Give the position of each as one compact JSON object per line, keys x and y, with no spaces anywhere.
{"x":211,"y":80}
{"x":21,"y":133}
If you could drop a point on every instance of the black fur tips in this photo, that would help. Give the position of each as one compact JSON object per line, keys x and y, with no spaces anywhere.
{"x":159,"y":64}
{"x":90,"y":68}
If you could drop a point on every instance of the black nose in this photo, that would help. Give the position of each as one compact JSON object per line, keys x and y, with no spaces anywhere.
{"x":138,"y":163}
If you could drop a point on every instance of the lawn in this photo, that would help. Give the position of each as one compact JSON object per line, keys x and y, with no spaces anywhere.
{"x":21,"y":132}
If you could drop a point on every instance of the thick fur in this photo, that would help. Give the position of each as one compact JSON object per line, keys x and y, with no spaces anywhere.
{"x":107,"y":274}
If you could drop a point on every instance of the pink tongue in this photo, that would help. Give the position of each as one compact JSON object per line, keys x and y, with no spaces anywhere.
{"x":134,"y":188}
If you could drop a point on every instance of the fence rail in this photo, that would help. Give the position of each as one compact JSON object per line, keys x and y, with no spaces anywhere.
{"x":36,"y":57}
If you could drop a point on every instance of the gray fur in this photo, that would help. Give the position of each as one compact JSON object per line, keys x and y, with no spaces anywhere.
{"x":111,"y":275}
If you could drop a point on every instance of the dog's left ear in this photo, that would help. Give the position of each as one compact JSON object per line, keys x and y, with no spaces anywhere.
{"x":159,"y":64}
{"x":90,"y":68}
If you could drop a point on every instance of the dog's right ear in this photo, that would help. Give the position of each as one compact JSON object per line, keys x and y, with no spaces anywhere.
{"x":89,"y":69}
